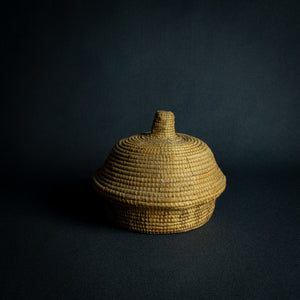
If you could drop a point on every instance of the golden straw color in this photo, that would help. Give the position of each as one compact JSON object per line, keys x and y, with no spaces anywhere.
{"x":160,"y":181}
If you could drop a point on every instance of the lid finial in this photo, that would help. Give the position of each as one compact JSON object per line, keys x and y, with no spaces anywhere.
{"x":164,"y":124}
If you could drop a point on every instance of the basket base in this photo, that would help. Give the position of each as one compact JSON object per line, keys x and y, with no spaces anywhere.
{"x":161,"y":220}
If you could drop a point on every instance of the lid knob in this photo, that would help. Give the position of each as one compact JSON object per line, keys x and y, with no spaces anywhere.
{"x":163,"y":124}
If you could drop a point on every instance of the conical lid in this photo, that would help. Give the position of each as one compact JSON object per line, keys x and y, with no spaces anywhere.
{"x":161,"y":168}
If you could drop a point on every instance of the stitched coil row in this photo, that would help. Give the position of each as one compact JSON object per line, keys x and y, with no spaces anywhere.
{"x":160,"y":181}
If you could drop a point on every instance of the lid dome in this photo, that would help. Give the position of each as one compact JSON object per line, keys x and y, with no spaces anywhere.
{"x":157,"y":171}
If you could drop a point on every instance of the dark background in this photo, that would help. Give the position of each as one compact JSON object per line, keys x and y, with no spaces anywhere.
{"x":79,"y":75}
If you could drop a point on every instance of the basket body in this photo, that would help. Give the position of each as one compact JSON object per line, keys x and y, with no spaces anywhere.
{"x":160,"y":181}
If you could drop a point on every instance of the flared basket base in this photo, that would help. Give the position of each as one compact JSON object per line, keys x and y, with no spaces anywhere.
{"x":161,"y":220}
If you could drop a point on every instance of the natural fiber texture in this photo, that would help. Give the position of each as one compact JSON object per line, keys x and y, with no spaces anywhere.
{"x":160,"y":181}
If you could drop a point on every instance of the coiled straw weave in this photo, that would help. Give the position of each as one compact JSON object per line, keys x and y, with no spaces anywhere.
{"x":160,"y":181}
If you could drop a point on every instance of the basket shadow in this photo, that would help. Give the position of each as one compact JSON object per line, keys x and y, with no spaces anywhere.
{"x":77,"y":201}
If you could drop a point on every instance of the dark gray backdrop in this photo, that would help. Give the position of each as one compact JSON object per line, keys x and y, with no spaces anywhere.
{"x":80,"y":75}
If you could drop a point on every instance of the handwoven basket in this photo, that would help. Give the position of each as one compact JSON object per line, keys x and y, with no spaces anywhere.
{"x":160,"y":181}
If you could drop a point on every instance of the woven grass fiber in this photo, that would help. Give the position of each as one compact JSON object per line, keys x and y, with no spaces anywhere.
{"x":161,"y":181}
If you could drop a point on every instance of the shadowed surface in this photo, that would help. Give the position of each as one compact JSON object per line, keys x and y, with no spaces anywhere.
{"x":61,"y":244}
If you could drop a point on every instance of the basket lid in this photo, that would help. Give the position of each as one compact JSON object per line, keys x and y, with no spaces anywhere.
{"x":160,"y":168}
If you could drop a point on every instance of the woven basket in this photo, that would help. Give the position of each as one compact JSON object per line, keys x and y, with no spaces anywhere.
{"x":160,"y":181}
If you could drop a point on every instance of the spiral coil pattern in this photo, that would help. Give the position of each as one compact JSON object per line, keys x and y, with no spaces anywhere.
{"x":160,"y":181}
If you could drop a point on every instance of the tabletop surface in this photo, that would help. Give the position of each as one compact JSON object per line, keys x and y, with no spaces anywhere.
{"x":58,"y":243}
